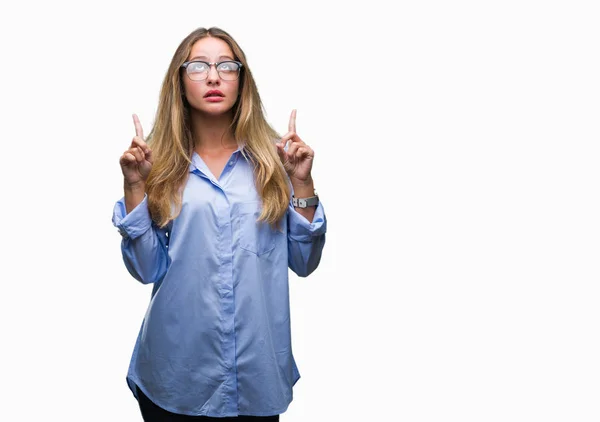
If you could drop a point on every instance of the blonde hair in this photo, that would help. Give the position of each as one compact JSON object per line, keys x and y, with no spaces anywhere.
{"x":172,"y":142}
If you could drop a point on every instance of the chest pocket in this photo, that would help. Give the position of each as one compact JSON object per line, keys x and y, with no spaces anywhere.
{"x":256,"y":237}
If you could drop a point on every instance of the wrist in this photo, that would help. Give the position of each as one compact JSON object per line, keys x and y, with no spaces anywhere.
{"x":137,"y":187}
{"x":134,"y":194}
{"x":303,"y":188}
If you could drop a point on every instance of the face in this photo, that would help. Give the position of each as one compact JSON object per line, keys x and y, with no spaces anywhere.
{"x":198,"y":93}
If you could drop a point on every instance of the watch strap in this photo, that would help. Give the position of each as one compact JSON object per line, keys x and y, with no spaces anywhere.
{"x":305,"y":202}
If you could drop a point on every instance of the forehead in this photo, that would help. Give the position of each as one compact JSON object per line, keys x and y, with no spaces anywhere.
{"x":211,"y":48}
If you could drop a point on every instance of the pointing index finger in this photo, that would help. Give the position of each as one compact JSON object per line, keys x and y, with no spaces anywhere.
{"x":292,"y":125}
{"x":138,"y":127}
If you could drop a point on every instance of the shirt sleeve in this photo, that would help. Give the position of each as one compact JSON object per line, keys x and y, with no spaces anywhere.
{"x":144,"y":245}
{"x":305,"y":240}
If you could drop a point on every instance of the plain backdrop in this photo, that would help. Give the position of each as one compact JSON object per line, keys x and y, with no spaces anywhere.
{"x":456,"y":155}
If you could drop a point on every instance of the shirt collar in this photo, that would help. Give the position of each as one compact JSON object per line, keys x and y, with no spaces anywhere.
{"x":198,"y":164}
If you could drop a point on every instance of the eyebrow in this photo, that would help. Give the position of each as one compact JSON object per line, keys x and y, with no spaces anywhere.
{"x":206,"y":58}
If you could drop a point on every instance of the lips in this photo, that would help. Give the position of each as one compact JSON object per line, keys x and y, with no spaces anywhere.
{"x":214,"y":93}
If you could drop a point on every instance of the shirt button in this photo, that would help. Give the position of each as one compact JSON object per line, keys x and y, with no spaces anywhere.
{"x":231,"y":163}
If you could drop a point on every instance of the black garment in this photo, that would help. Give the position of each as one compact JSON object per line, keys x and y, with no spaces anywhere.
{"x":153,"y":413}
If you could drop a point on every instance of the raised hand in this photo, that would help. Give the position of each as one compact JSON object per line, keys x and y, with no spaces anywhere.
{"x":298,"y":159}
{"x":136,"y":162}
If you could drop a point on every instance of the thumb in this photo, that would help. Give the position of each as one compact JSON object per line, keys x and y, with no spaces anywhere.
{"x":280,"y":152}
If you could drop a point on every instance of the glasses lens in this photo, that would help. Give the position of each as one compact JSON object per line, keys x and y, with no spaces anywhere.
{"x":228,"y":71}
{"x":197,"y":71}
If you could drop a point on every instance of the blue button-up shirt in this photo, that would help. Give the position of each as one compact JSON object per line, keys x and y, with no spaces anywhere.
{"x":216,"y":338}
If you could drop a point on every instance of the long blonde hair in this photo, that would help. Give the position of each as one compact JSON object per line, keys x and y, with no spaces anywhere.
{"x":172,"y":142}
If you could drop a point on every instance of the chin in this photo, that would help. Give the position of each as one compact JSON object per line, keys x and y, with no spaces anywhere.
{"x":214,"y":111}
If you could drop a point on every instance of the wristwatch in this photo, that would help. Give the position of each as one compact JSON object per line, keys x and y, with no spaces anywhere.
{"x":305,"y":202}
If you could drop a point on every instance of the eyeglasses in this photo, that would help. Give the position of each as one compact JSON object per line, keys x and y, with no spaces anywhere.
{"x":228,"y":70}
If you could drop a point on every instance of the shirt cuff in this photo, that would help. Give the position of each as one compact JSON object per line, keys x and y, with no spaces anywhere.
{"x":134,"y":224}
{"x":300,"y":229}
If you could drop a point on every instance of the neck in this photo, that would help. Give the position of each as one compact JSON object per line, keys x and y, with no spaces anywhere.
{"x":212,"y":133}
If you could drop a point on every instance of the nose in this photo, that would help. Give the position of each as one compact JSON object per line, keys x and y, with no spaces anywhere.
{"x":213,"y":75}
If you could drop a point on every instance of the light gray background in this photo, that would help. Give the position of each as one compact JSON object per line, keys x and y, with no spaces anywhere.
{"x":457,"y":159}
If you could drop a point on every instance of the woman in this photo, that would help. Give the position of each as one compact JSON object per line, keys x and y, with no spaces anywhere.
{"x":216,"y":208}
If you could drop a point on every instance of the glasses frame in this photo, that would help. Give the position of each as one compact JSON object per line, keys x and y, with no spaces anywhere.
{"x":216,"y":64}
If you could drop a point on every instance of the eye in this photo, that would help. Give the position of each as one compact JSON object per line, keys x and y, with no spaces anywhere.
{"x":197,"y":67}
{"x":228,"y":67}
